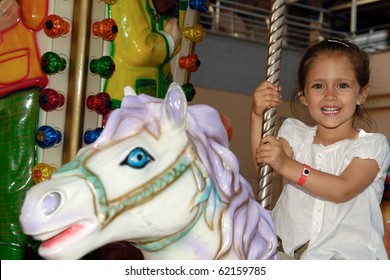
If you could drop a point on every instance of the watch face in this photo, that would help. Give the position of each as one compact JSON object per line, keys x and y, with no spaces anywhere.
{"x":163,"y":7}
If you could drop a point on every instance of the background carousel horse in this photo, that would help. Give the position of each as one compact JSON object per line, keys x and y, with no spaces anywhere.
{"x":147,"y":39}
{"x":160,"y":176}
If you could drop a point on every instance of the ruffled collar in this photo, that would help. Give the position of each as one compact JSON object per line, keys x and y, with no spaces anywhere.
{"x":312,"y":132}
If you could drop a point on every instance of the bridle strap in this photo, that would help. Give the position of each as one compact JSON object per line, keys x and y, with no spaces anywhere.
{"x":147,"y":190}
{"x":108,"y":210}
{"x":156,"y":245}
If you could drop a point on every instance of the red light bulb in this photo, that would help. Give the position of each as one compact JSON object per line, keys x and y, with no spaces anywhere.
{"x":100,"y":103}
{"x":50,"y":99}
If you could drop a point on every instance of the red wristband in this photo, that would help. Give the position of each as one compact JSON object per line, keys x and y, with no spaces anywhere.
{"x":305,"y":173}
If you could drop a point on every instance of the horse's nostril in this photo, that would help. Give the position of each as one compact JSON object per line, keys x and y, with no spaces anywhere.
{"x":51,"y":202}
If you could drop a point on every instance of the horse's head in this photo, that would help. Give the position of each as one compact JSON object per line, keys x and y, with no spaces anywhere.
{"x":161,"y":176}
{"x":135,"y":182}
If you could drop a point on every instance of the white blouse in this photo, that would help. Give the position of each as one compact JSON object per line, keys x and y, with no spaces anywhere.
{"x":352,"y":230}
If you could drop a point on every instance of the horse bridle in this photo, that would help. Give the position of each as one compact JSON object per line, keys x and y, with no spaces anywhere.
{"x":106,"y":211}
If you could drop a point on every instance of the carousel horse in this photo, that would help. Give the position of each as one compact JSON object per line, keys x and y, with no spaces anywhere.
{"x":160,"y":176}
{"x":146,"y":41}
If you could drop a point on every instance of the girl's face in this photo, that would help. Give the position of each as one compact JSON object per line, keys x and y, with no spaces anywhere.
{"x":331,"y":92}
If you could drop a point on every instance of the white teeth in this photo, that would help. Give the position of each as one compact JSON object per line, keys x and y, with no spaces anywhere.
{"x":330,"y":109}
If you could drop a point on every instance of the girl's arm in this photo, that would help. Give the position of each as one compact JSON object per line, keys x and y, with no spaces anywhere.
{"x":266,"y":95}
{"x":359,"y":174}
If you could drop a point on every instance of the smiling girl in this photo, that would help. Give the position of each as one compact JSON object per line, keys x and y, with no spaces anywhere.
{"x":330,"y":207}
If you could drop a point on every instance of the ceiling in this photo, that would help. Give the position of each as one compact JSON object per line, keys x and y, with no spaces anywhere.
{"x":370,"y":14}
{"x":365,"y":22}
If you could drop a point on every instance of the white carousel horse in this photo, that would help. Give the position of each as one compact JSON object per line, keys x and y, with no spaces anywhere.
{"x":160,"y":176}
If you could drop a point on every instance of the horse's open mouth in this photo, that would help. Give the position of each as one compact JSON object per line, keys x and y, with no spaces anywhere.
{"x":64,"y":235}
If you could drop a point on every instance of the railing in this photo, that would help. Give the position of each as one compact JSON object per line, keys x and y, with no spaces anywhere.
{"x":304,"y":25}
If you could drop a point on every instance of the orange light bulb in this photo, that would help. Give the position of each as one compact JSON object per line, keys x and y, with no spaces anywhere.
{"x":106,"y":29}
{"x":55,"y":26}
{"x":190,"y":63}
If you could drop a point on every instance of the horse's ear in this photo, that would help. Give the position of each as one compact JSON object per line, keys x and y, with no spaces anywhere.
{"x":175,"y":105}
{"x":129,"y":91}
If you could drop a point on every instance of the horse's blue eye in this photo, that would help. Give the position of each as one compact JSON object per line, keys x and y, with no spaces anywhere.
{"x":137,"y":158}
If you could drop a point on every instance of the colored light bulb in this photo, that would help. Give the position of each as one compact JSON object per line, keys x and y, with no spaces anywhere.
{"x":100,"y":103}
{"x":189,"y":91}
{"x":106,"y":29}
{"x":52,"y":63}
{"x":47,"y":136}
{"x":189,"y":63}
{"x":103,"y":66}
{"x":90,"y":136}
{"x":55,"y":26}
{"x":50,"y":99}
{"x":199,"y":5}
{"x":41,"y":172}
{"x":194,"y":33}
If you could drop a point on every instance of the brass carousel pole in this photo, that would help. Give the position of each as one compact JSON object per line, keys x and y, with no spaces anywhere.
{"x":79,"y":57}
{"x":276,"y":25}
